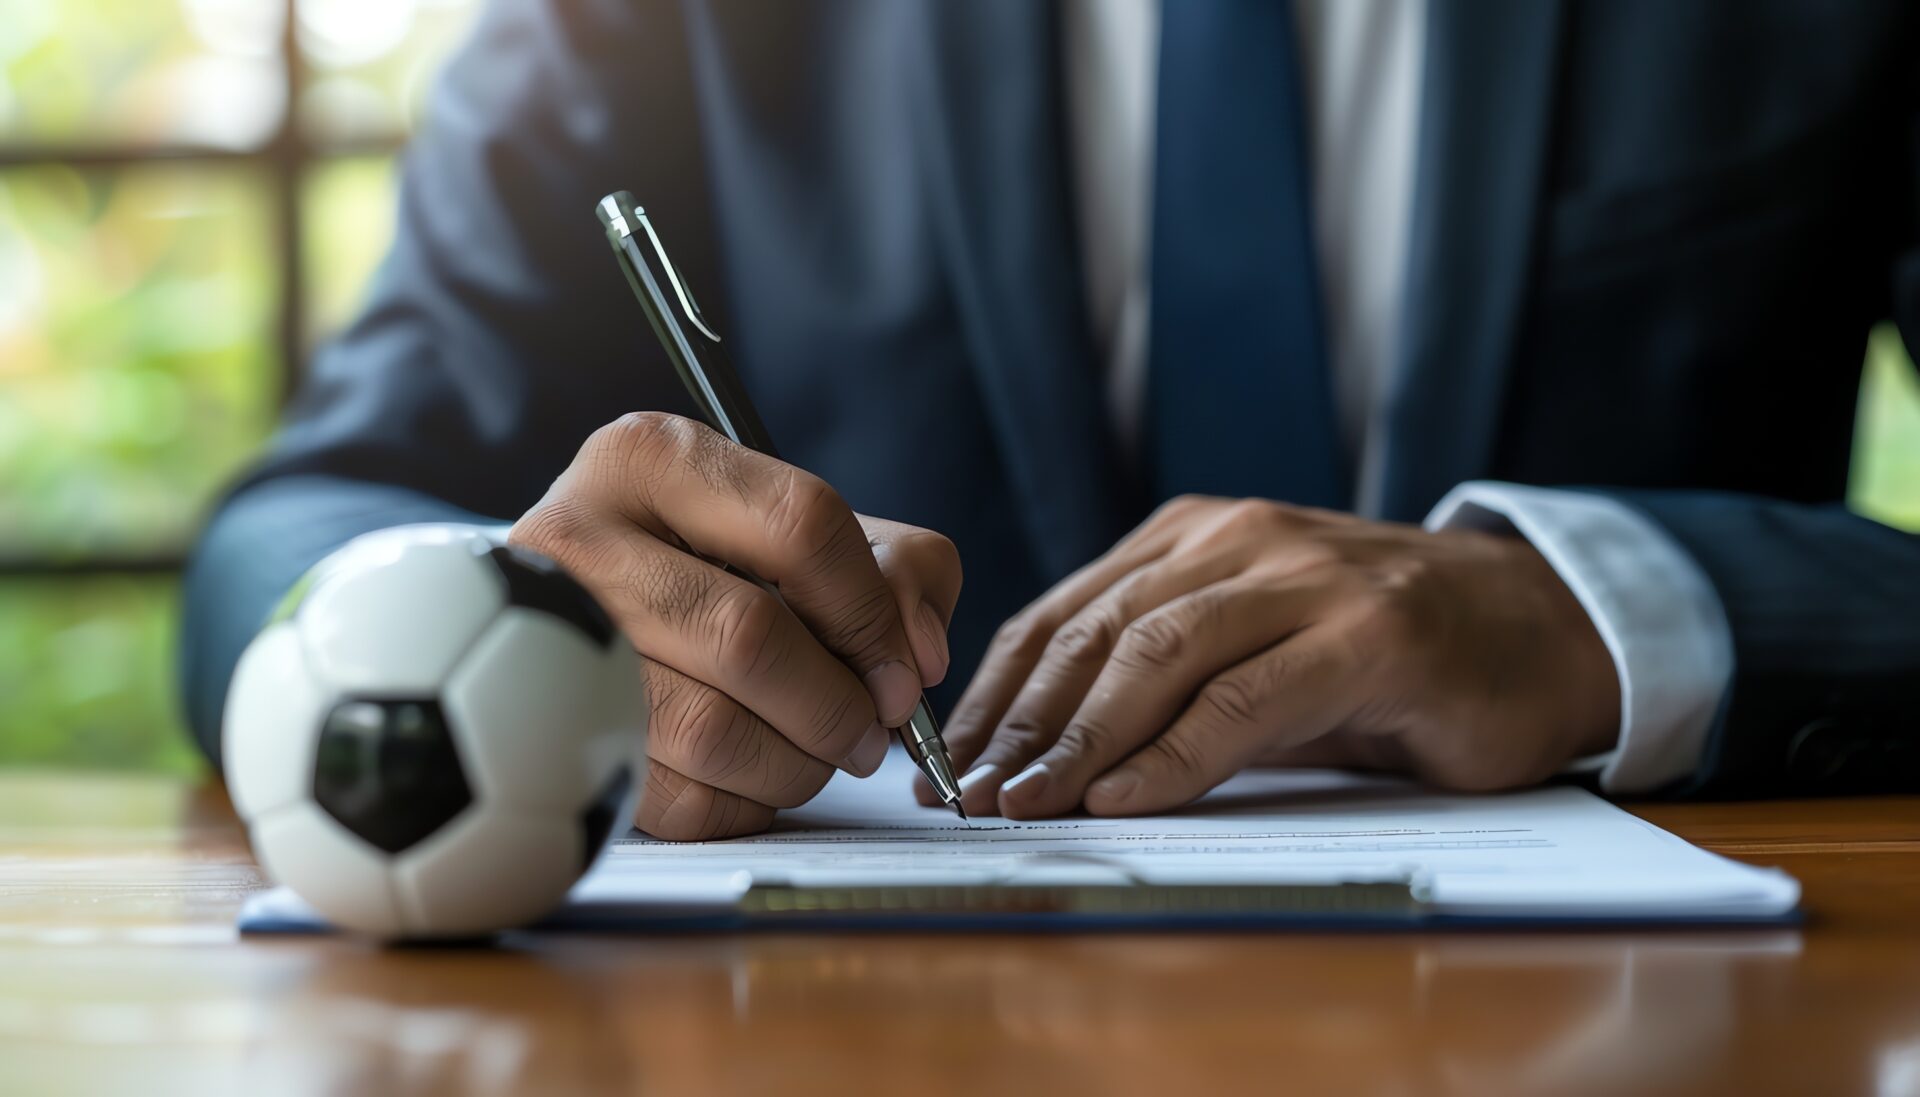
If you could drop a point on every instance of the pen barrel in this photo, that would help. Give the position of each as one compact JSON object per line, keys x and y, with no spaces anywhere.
{"x":692,"y":346}
{"x":695,"y":350}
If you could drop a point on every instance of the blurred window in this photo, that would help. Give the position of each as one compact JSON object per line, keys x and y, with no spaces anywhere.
{"x":192,"y":192}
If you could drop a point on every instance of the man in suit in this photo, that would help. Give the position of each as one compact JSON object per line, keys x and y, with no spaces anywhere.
{"x":1580,"y":288}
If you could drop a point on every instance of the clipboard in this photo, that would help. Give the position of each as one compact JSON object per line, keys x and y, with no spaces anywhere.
{"x":1297,"y":850}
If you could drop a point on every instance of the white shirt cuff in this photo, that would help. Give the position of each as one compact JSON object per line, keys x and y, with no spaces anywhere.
{"x":1653,"y":606}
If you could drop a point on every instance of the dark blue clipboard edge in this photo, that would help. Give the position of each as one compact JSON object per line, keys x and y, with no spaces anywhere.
{"x":626,"y":924}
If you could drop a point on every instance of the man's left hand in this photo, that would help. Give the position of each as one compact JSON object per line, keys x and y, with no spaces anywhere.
{"x":1224,"y":633}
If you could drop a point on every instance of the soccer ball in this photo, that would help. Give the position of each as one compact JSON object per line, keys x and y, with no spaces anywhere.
{"x":434,"y":735}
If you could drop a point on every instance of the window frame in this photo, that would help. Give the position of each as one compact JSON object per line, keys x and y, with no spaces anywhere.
{"x":285,"y":160}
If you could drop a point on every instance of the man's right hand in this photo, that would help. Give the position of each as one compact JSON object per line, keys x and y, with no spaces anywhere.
{"x":754,"y":703}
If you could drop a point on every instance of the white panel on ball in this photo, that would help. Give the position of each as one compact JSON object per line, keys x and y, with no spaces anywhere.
{"x":528,"y":707}
{"x":273,"y":717}
{"x":489,"y":869}
{"x":342,"y":877}
{"x":399,"y":627}
{"x":624,"y":708}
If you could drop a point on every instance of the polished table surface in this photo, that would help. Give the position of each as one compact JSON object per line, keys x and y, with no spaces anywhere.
{"x":120,"y":973}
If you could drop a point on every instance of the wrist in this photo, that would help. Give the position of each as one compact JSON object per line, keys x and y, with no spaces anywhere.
{"x":1581,"y":672}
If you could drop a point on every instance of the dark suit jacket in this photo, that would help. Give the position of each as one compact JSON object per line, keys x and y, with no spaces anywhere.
{"x":1648,"y":241}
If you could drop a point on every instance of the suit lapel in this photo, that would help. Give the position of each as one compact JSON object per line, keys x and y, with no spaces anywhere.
{"x":1487,"y":100}
{"x":992,"y":142}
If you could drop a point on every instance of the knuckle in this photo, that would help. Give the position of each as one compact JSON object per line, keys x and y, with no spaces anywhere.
{"x":932,"y":553}
{"x":1180,"y":506}
{"x":718,"y":461}
{"x":1016,"y":739}
{"x":1181,"y":754}
{"x":1154,"y":642}
{"x":676,"y":808}
{"x":644,"y":447}
{"x":664,"y":688}
{"x":1386,"y":614}
{"x":1471,"y":779}
{"x":636,"y":424}
{"x":1406,"y":574}
{"x":639,"y":432}
{"x":1022,"y":634}
{"x":695,"y":727}
{"x":807,"y":517}
{"x":831,"y":720}
{"x":1273,"y":674}
{"x":661,"y":801}
{"x":794,"y":788}
{"x":1085,"y":735}
{"x":1252,"y":515}
{"x":854,"y":624}
{"x":714,"y":738}
{"x":1315,"y":554}
{"x":1231,"y":698}
{"x":639,"y":449}
{"x":674,"y":587}
{"x":732,"y":753}
{"x":710,"y":729}
{"x":1090,"y":635}
{"x":742,"y":626}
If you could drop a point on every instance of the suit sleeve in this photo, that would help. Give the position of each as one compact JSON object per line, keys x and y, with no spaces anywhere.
{"x":1823,"y":606}
{"x":498,"y":332}
{"x":1824,"y":610}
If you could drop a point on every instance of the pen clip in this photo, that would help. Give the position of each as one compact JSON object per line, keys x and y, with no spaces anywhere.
{"x":673,"y":275}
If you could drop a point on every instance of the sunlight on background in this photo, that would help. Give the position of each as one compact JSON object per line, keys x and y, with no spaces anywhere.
{"x":1886,"y":451}
{"x":139,"y":312}
{"x":135,"y":353}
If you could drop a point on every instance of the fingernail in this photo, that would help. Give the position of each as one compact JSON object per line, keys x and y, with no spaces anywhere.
{"x":872,"y":751}
{"x":979,"y":776}
{"x":1031,"y":783}
{"x":896,"y":689}
{"x":936,"y":631}
{"x":1118,"y":787}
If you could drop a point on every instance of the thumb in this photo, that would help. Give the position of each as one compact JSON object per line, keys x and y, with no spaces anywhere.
{"x":923,"y":569}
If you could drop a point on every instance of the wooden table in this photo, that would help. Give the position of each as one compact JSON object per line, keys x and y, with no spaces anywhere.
{"x":120,"y":973}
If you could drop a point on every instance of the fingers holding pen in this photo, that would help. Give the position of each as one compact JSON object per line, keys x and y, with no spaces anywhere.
{"x":685,"y":483}
{"x":923,"y":570}
{"x":718,"y":629}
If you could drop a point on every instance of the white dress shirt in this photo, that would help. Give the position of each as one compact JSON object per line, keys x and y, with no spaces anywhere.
{"x":1361,"y":62}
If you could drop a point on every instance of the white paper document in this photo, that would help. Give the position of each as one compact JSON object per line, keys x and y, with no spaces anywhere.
{"x":1547,"y":852}
{"x":1543,"y":855}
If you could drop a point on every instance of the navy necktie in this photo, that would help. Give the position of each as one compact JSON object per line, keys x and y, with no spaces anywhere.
{"x":1238,"y":398}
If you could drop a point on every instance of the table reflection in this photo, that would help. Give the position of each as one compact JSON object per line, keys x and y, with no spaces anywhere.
{"x":1465,"y":1014}
{"x":1460,"y":1014}
{"x":363,"y":1019}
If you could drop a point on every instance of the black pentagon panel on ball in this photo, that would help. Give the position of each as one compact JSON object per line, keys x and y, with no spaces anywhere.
{"x":537,"y":583}
{"x":597,"y":821}
{"x":389,"y":771}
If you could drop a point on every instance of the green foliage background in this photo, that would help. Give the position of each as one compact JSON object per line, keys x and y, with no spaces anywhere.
{"x":138,"y":314}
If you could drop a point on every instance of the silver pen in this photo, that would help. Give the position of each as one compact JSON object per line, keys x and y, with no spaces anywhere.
{"x":697,"y":356}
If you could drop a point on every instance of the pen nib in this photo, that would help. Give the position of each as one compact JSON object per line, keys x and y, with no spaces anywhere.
{"x":960,"y":810}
